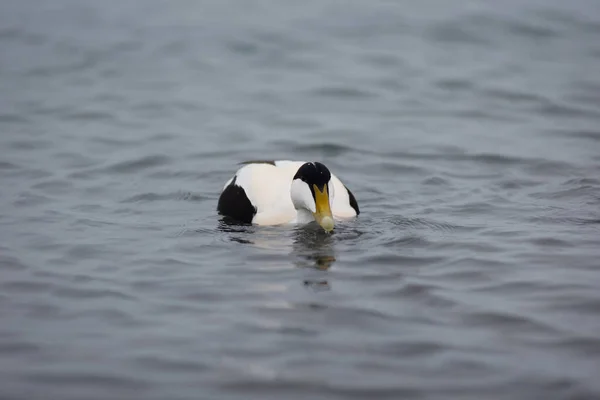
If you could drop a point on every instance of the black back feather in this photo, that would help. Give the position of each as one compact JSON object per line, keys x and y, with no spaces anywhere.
{"x":234,"y":203}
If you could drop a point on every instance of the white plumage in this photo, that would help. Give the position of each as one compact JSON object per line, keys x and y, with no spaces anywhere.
{"x":268,"y":187}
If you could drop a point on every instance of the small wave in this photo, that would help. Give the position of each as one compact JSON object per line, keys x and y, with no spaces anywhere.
{"x":421,"y":223}
{"x":593,"y":135}
{"x":507,"y":321}
{"x":5,"y":165}
{"x":328,"y":149}
{"x":153,"y":196}
{"x":170,"y":364}
{"x":80,"y":293}
{"x":146,"y":162}
{"x":29,"y":199}
{"x":454,"y":84}
{"x":401,"y":260}
{"x":89,"y":116}
{"x":343,"y":92}
{"x":10,"y":118}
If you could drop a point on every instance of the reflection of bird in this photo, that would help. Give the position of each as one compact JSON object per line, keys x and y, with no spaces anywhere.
{"x":280,"y":192}
{"x":313,"y":249}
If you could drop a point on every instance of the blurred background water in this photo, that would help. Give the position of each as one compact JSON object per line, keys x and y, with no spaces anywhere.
{"x":468,"y":132}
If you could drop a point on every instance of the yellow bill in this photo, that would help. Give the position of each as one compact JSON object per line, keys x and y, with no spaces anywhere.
{"x":323,"y":214}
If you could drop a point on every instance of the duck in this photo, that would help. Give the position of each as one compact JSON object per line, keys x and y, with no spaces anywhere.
{"x":283,"y":192}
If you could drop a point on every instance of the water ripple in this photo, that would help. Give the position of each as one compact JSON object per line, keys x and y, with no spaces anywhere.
{"x":146,"y":162}
{"x":468,"y":135}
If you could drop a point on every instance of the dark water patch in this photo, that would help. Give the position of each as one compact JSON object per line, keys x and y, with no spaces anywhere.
{"x":25,"y":286}
{"x":473,"y":208}
{"x":585,"y":346}
{"x":29,"y":199}
{"x":137,"y":165}
{"x":577,"y":192}
{"x":420,"y":293}
{"x":400,"y":261}
{"x":407,"y":241}
{"x":287,"y":386}
{"x":383,"y":60}
{"x":116,"y":142}
{"x":435,"y":181}
{"x":491,"y":115}
{"x":219,"y":155}
{"x":152,"y":197}
{"x":513,"y":288}
{"x":508,"y":322}
{"x":29,"y":145}
{"x":549,"y":168}
{"x":93,"y":222}
{"x":487,"y":29}
{"x":97,"y":379}
{"x":592,"y":135}
{"x":5,"y":165}
{"x":573,"y":303}
{"x":259,"y":327}
{"x":90,"y":293}
{"x":21,"y":348}
{"x":59,"y":69}
{"x":582,"y":182}
{"x":343,"y":93}
{"x":8,"y":262}
{"x":495,"y":159}
{"x":170,"y":365}
{"x":412,"y":349}
{"x":517,"y":184}
{"x":551,"y":242}
{"x":10,"y":118}
{"x":344,"y":315}
{"x":454,"y":84}
{"x":461,"y":156}
{"x":166,"y":174}
{"x":556,"y":109}
{"x":243,"y":47}
{"x":90,"y":116}
{"x":515,"y":96}
{"x":397,"y":168}
{"x":423,"y":223}
{"x":110,"y":316}
{"x":12,"y":34}
{"x":198,"y":296}
{"x":109,"y":99}
{"x":294,"y":122}
{"x":533,"y":30}
{"x":85,"y":251}
{"x":326,"y":149}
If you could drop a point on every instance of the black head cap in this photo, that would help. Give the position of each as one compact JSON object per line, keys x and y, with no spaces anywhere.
{"x":314,"y":173}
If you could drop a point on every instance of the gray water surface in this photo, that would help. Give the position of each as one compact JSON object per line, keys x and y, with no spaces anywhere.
{"x":468,"y":131}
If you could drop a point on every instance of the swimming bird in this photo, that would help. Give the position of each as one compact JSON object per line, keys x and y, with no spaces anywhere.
{"x":286,"y":192}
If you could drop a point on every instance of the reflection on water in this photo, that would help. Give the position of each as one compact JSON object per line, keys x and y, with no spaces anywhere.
{"x":236,"y":230}
{"x":308,"y":246}
{"x":313,"y":248}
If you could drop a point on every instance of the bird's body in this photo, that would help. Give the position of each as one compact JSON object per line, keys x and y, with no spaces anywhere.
{"x":281,"y":192}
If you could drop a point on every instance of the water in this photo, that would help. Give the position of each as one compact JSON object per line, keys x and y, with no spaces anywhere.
{"x":467,"y":131}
